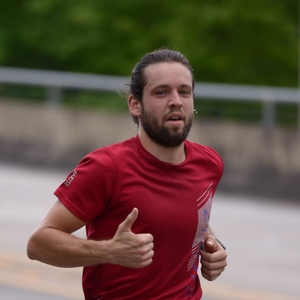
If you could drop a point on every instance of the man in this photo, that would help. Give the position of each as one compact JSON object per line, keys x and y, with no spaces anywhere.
{"x":145,"y":202}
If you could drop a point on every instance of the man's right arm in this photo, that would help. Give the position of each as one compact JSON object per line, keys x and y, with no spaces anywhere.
{"x":53,"y":243}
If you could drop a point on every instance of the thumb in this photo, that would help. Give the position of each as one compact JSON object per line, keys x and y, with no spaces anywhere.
{"x":210,"y":245}
{"x":130,"y":219}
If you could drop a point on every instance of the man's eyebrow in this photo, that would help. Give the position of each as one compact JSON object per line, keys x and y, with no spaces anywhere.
{"x":186,"y":85}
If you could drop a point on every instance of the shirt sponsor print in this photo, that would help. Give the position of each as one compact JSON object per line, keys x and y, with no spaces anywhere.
{"x":204,"y":203}
{"x":70,"y":178}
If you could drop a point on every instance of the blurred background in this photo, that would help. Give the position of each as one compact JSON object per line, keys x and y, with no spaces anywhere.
{"x":64,"y":66}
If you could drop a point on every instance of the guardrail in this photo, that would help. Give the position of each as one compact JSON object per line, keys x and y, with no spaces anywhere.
{"x":55,"y":81}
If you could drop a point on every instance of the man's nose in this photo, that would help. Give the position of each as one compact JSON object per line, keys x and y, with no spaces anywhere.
{"x":175,"y":99}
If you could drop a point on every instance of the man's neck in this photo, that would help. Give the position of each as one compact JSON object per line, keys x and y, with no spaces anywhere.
{"x":173,"y":155}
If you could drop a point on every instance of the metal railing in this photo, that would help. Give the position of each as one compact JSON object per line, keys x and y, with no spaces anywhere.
{"x":55,"y":81}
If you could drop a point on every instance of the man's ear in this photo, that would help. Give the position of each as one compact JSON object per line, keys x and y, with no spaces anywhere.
{"x":134,"y":106}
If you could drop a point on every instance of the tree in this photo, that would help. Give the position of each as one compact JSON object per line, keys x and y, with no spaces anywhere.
{"x":250,"y":42}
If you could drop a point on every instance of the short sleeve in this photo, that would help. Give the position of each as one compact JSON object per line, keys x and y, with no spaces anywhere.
{"x":89,"y":188}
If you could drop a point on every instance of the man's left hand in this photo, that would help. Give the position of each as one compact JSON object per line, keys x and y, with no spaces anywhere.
{"x":213,"y":258}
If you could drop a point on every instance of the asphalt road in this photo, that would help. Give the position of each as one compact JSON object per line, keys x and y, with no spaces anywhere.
{"x":261,"y":235}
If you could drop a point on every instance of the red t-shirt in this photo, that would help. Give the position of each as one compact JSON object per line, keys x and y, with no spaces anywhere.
{"x":174,"y":203}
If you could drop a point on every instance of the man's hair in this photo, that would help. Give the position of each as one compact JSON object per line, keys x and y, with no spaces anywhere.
{"x":138,"y":77}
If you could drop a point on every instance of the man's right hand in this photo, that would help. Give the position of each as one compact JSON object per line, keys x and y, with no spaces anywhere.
{"x":129,"y":249}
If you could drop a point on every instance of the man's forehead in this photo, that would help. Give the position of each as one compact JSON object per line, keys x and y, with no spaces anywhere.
{"x":164,"y":70}
{"x":166,"y":66}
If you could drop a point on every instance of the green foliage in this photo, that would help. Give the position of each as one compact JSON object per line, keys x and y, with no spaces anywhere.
{"x":228,"y":41}
{"x":250,"y":42}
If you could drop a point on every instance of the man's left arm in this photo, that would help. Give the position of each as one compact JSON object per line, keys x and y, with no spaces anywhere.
{"x":213,"y":256}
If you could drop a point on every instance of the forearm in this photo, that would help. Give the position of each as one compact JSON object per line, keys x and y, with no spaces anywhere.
{"x":61,"y":249}
{"x":58,"y":247}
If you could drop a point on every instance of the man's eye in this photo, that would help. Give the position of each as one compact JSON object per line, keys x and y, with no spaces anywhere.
{"x":184,"y":92}
{"x":160,"y":92}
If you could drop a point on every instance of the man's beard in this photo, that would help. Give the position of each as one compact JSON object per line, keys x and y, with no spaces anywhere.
{"x":162,"y":135}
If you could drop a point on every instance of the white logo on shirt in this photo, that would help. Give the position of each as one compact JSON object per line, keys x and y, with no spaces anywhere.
{"x":70,"y":179}
{"x":204,"y":203}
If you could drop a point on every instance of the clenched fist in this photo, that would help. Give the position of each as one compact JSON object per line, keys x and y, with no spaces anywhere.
{"x":213,"y":258}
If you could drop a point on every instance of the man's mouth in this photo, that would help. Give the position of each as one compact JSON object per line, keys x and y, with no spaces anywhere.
{"x":175,"y":117}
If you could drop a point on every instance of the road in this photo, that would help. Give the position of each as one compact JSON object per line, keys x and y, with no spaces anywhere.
{"x":262,"y":238}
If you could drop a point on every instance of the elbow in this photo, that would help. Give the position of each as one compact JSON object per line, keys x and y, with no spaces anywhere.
{"x":32,"y":249}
